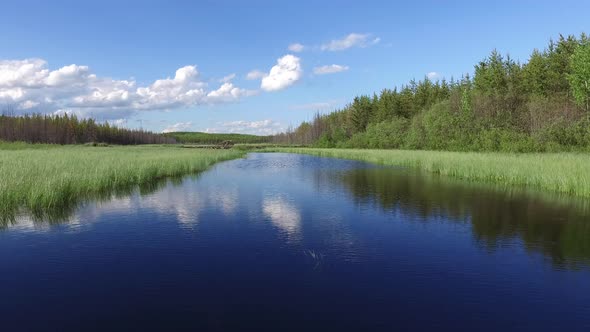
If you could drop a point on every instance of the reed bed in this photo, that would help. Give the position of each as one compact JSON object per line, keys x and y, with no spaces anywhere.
{"x":48,"y":177}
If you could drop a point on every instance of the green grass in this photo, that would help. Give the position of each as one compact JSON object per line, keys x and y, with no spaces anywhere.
{"x":209,"y":138}
{"x":567,"y":173}
{"x":42,"y":178}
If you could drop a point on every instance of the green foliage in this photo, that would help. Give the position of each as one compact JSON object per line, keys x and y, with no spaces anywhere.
{"x":416,"y":134}
{"x":535,"y":74}
{"x":492,"y":75}
{"x":565,"y":134}
{"x":466,"y":103}
{"x":499,"y":139}
{"x":558,"y":57}
{"x":580,"y":75}
{"x":361,"y":112}
{"x":382,"y":135}
{"x":209,"y":138}
{"x":388,"y":134}
{"x":325,"y":141}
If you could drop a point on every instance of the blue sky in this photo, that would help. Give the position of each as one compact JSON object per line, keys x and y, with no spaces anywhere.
{"x":118,"y":60}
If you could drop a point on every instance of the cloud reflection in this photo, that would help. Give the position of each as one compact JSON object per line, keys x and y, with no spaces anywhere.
{"x":225,"y":200}
{"x":283,"y":214}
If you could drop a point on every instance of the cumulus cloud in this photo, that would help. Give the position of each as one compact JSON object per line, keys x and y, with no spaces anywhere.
{"x":285,"y":73}
{"x":262,"y":127}
{"x":180,"y":126}
{"x":68,"y":75}
{"x":329,"y":69}
{"x":255,"y":75}
{"x":31,"y":86}
{"x":350,"y":41}
{"x":296,"y":47}
{"x":227,"y":92}
{"x":184,"y":89}
{"x":23,"y":73}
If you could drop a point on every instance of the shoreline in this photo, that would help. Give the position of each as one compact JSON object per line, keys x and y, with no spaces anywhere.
{"x":564,"y":173}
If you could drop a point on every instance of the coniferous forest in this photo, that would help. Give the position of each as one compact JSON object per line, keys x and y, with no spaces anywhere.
{"x":540,"y":105}
{"x":68,"y":129}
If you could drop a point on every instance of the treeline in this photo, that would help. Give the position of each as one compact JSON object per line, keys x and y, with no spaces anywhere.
{"x":68,"y":129}
{"x":540,"y":105}
{"x":211,"y":138}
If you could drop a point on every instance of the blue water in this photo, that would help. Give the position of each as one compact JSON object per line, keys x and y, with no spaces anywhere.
{"x":281,"y":242}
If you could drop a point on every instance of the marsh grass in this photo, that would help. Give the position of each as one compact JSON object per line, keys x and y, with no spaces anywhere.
{"x":567,"y":173}
{"x":52,"y":179}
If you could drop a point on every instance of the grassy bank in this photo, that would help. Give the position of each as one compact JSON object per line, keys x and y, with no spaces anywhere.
{"x":557,"y":172}
{"x":40,"y":178}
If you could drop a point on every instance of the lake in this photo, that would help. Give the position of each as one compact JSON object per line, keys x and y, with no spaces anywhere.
{"x":285,"y":242}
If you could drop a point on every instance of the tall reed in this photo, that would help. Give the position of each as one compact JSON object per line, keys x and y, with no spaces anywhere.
{"x":45,"y":177}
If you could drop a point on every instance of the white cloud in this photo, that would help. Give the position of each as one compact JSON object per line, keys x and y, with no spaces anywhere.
{"x":22,"y":73}
{"x":30,"y":85}
{"x":285,"y":73}
{"x":181,"y":126}
{"x":185,"y":89}
{"x":228,"y":78}
{"x":296,"y":47}
{"x":352,"y":40}
{"x":227,"y":92}
{"x":433,"y":75}
{"x":262,"y":127}
{"x":329,"y":69}
{"x":27,"y":104}
{"x":255,"y":75}
{"x":68,"y":75}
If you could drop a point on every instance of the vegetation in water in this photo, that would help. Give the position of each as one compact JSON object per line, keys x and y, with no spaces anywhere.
{"x":567,"y":173}
{"x":538,"y":106}
{"x":46,"y":178}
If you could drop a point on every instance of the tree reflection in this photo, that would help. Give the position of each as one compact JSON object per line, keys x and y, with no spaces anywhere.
{"x":557,"y":226}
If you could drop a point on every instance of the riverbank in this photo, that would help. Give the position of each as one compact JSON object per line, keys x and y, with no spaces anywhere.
{"x":567,"y":173}
{"x":41,"y":178}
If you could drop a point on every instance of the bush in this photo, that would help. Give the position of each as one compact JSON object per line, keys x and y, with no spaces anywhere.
{"x":387,"y":134}
{"x":505,"y":140}
{"x":416,"y":134}
{"x":564,"y":133}
{"x":439,"y":128}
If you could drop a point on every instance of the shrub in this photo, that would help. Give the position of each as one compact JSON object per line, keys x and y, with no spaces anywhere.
{"x":387,"y":134}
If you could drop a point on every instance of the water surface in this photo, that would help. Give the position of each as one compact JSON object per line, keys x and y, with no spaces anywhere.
{"x":279,"y":242}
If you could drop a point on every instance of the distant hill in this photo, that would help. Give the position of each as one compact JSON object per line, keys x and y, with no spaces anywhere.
{"x":209,"y":138}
